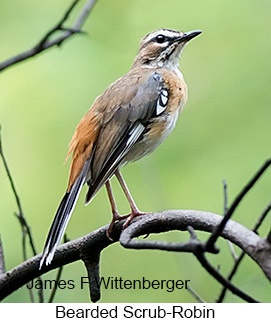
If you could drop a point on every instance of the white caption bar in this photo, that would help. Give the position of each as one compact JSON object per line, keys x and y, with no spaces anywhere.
{"x":176,"y":312}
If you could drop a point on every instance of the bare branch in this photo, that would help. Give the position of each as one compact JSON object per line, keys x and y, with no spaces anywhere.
{"x":197,"y":297}
{"x":59,"y":26}
{"x":45,"y":43}
{"x":2,"y":259}
{"x":215,"y":235}
{"x":72,"y":251}
{"x":199,"y":220}
{"x":84,"y":14}
{"x":25,"y":227}
{"x":195,"y":246}
{"x":262,"y":217}
{"x":54,"y":289}
{"x":88,"y":248}
{"x":65,"y":254}
{"x":212,"y":271}
{"x":232,"y":251}
{"x":92,"y":265}
{"x":26,"y":230}
{"x":58,"y":276}
{"x":241,"y":256}
{"x":225,"y":190}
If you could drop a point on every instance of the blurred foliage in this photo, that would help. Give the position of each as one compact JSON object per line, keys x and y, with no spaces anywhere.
{"x":224,"y":131}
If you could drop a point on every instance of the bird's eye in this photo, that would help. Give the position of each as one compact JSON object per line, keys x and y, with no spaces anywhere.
{"x":160,"y":39}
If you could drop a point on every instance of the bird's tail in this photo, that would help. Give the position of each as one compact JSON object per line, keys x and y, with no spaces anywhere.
{"x":62,"y":217}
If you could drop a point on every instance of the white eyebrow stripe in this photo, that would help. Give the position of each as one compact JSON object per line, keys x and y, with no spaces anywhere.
{"x":166,"y":33}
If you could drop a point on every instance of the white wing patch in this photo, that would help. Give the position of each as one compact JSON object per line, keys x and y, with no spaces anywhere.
{"x":162,"y":102}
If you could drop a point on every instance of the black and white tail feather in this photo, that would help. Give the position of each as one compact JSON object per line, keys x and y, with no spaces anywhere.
{"x":62,"y":217}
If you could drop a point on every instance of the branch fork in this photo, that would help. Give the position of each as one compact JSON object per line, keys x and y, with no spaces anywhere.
{"x":65,"y":32}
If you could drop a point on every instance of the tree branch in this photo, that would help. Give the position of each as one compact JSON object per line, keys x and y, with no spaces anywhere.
{"x":229,"y":212}
{"x":54,"y":289}
{"x":20,"y":215}
{"x":212,"y":271}
{"x":195,"y":246}
{"x":92,"y":266}
{"x":153,"y":223}
{"x":45,"y":43}
{"x":58,"y":276}
{"x":26,"y":230}
{"x":225,"y":190}
{"x":2,"y":259}
{"x":239,"y":259}
{"x":197,"y":297}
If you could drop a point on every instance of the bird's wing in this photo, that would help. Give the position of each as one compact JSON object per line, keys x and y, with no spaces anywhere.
{"x":123,"y":127}
{"x":102,"y":139}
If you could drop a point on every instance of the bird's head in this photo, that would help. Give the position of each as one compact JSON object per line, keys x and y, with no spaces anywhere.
{"x":163,"y":48}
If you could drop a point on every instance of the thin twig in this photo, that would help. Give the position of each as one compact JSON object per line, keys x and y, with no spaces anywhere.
{"x":26,"y":230}
{"x":217,"y":232}
{"x":225,"y":190}
{"x":45,"y":43}
{"x":232,"y":251}
{"x":54,"y":289}
{"x":212,"y":271}
{"x":58,"y":27}
{"x":20,"y":214}
{"x":262,"y":217}
{"x":84,"y":14}
{"x":197,"y":297}
{"x":241,"y":256}
{"x":200,"y":254}
{"x":58,"y":275}
{"x":2,"y":259}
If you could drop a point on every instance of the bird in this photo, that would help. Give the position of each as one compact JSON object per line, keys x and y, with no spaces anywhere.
{"x":133,"y":116}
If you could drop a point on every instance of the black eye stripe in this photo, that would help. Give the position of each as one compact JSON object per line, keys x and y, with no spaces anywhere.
{"x":160,"y":39}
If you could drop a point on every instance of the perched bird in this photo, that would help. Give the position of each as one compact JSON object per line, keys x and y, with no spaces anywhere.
{"x":129,"y":120}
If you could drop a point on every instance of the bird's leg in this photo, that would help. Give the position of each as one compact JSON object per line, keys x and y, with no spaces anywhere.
{"x":135,"y":211}
{"x":112,"y":200}
{"x":115,"y":212}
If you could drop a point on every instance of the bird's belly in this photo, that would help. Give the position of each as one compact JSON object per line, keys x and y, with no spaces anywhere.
{"x":157,"y":133}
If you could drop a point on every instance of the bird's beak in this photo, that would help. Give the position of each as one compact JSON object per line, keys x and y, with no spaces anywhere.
{"x":189,"y":35}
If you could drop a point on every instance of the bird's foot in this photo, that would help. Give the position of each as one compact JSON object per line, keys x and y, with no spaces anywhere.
{"x":117,"y":217}
{"x":131,"y":216}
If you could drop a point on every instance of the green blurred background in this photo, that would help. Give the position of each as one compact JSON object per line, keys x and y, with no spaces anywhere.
{"x":224,"y":132}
